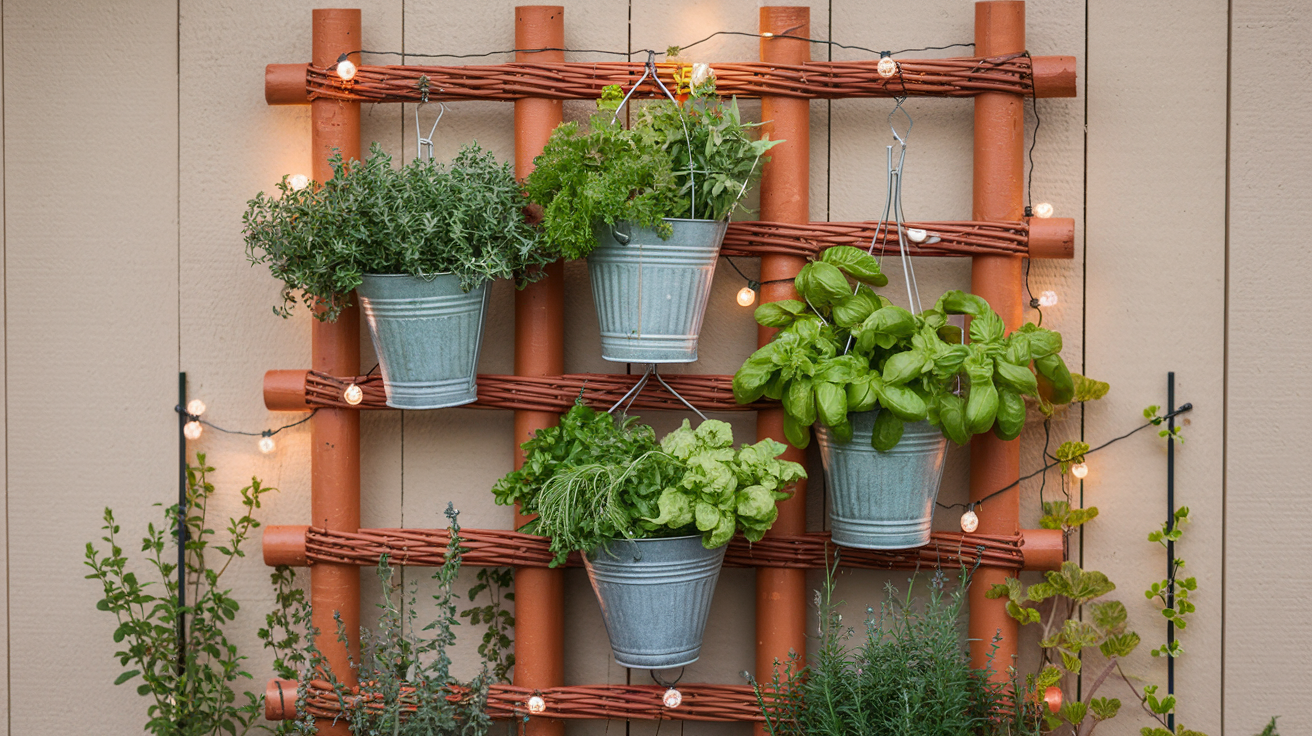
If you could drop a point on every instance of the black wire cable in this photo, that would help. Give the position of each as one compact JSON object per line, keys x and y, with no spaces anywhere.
{"x":1050,"y":466}
{"x":751,"y":281}
{"x":265,"y":433}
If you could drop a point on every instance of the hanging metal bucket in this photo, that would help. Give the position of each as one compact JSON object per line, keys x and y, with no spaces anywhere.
{"x":655,"y":595}
{"x":882,"y":500}
{"x":428,"y":335}
{"x":650,"y":292}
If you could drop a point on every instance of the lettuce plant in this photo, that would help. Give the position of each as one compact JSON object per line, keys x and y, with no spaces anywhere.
{"x":425,"y":218}
{"x":641,"y":174}
{"x":842,"y":350}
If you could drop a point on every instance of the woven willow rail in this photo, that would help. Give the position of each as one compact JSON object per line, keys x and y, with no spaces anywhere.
{"x":549,"y":393}
{"x":962,"y":77}
{"x":721,"y":703}
{"x":496,"y":548}
{"x":793,"y":239}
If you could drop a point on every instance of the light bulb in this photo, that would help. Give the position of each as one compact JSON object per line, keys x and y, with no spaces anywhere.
{"x":1043,"y":209}
{"x":969,"y":521}
{"x":191,"y":430}
{"x":536,"y":704}
{"x":195,"y":407}
{"x":1079,"y":470}
{"x":345,"y":69}
{"x":673,"y":698}
{"x":700,"y":74}
{"x":353,"y":394}
{"x":916,"y":235}
{"x":1048,"y":299}
{"x":266,"y":444}
{"x":746,"y":296}
{"x":887,"y":67}
{"x":298,"y":182}
{"x":767,"y":34}
{"x":1052,"y":697}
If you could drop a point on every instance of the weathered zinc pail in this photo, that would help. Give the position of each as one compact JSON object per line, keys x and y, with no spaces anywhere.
{"x":427,"y":335}
{"x":650,"y":292}
{"x":655,"y":595}
{"x":882,"y":500}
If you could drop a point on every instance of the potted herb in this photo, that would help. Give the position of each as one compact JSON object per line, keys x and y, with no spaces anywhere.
{"x":419,"y":244}
{"x":885,"y":388}
{"x":651,"y":519}
{"x":648,"y":206}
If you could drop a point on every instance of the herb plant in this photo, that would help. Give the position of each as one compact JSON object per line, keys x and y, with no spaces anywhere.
{"x":594,"y":478}
{"x":423,"y":219}
{"x":673,"y":156}
{"x":841,"y":350}
{"x":909,"y":676}
{"x":202,"y":697}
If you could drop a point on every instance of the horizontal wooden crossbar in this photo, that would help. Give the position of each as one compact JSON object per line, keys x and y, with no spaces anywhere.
{"x":1035,"y":238}
{"x":1042,"y":76}
{"x":1033,"y":549}
{"x":701,"y":702}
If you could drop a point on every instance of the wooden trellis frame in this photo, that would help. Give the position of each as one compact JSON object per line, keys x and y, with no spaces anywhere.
{"x":997,"y":239}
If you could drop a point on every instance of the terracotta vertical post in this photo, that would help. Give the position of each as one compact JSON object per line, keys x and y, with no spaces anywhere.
{"x":335,"y":433}
{"x":781,"y":593}
{"x":998,"y":196}
{"x":539,"y":351}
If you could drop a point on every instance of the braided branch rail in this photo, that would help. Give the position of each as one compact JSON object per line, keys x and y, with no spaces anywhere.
{"x":960,"y":77}
{"x":497,"y":548}
{"x":701,"y":702}
{"x":808,"y":239}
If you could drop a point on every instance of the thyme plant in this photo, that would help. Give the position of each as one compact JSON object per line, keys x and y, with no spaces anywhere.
{"x":423,"y":219}
{"x":197,"y":691}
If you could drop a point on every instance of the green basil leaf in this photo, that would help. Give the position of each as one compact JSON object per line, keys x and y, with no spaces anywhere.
{"x":952,"y":418}
{"x":887,"y":431}
{"x":981,"y":407}
{"x":903,"y":403}
{"x":826,"y":285}
{"x":861,"y":394}
{"x":904,"y":366}
{"x":1061,"y":386}
{"x":830,"y":403}
{"x":797,"y":434}
{"x":780,"y":313}
{"x":856,"y":263}
{"x":799,"y":401}
{"x":1016,"y":377}
{"x":960,"y":302}
{"x":750,"y":380}
{"x":1011,"y":415}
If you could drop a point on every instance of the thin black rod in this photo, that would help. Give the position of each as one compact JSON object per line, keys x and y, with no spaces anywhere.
{"x":1170,"y":544}
{"x":182,"y":525}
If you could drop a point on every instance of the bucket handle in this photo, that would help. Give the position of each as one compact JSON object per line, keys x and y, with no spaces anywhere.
{"x":621,"y":237}
{"x":636,"y":553}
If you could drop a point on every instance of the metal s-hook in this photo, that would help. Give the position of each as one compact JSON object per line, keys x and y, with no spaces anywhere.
{"x":901,"y":137}
{"x":422,"y":143}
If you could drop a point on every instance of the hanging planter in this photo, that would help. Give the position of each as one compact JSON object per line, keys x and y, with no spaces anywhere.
{"x":428,"y":335}
{"x":882,"y":500}
{"x":655,"y":596}
{"x":651,"y":292}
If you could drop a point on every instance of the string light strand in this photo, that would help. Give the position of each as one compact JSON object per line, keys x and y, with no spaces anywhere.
{"x":195,"y":417}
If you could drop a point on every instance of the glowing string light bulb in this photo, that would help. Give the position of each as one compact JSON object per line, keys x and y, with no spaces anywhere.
{"x":536,"y":704}
{"x":191,"y":430}
{"x":195,"y":407}
{"x":1043,"y":210}
{"x":767,"y":34}
{"x":1048,"y":299}
{"x":969,"y":521}
{"x":672,"y":698}
{"x":746,"y":296}
{"x":345,"y":68}
{"x":266,"y":442}
{"x":298,"y":182}
{"x":353,"y":395}
{"x":887,"y":67}
{"x":1080,"y":470}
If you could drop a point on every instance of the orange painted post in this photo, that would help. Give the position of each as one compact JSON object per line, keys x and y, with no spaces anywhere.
{"x":780,"y":592}
{"x":998,"y":196}
{"x":335,"y":433}
{"x":539,"y":351}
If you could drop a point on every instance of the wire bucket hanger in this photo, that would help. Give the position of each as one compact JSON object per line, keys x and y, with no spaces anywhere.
{"x":424,"y":146}
{"x":632,"y":394}
{"x":649,"y":70}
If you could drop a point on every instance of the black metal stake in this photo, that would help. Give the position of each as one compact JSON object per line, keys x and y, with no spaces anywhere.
{"x":1170,"y":544}
{"x":182,"y":524}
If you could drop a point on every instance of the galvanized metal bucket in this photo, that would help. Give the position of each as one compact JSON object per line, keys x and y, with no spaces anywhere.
{"x":655,"y":595}
{"x":882,"y":500}
{"x":650,"y":292}
{"x":428,"y":335}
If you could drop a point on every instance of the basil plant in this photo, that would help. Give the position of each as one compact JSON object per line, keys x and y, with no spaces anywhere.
{"x":842,"y":349}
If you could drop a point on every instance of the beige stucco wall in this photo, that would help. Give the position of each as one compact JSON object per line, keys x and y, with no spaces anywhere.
{"x":134,"y":132}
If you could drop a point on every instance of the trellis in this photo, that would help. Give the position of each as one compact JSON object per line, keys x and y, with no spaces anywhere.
{"x":997,"y":238}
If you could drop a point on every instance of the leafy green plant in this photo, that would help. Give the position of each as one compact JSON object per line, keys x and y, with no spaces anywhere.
{"x":496,"y":648}
{"x":672,"y":157}
{"x":1153,"y":415}
{"x":199,"y":696}
{"x":1173,"y":592}
{"x":422,"y":219}
{"x":842,"y":350}
{"x":594,"y":478}
{"x":406,"y":686}
{"x":909,"y":676}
